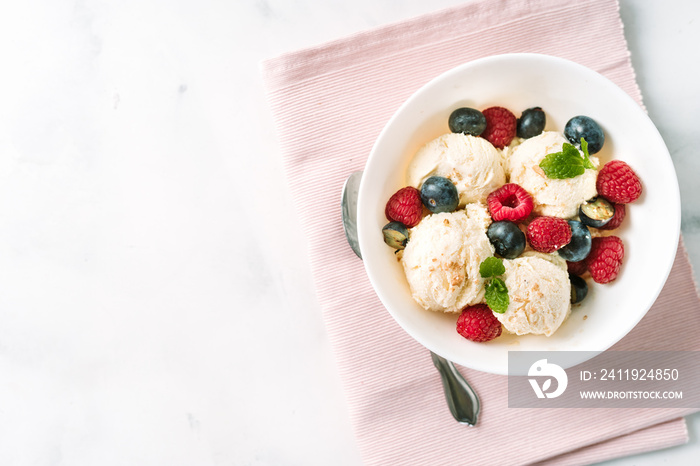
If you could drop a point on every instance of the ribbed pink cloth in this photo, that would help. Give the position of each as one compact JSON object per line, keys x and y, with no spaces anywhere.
{"x":330,"y":104}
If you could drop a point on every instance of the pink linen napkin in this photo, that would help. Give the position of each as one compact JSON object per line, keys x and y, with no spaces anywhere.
{"x":330,"y":104}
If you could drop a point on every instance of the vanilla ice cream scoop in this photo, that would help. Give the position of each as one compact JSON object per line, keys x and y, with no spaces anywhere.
{"x":553,"y":197}
{"x":472,"y":163}
{"x":539,"y":292}
{"x":442,"y":259}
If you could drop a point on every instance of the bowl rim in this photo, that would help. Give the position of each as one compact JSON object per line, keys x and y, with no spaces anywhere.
{"x":485,"y":61}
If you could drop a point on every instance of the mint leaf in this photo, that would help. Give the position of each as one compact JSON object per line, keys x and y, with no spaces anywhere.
{"x":491,"y":266}
{"x":497,"y":295}
{"x":566,"y":164}
{"x":560,"y":166}
{"x":586,"y":156}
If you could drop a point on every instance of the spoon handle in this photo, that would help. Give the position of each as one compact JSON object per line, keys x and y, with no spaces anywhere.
{"x":461,"y":398}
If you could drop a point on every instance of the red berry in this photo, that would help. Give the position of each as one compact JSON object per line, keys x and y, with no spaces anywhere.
{"x":617,"y":218}
{"x":477,"y":323}
{"x":500,"y":126}
{"x":605,"y":258}
{"x":577,"y":268}
{"x":510,"y":202}
{"x":618,"y":183}
{"x":405,"y":206}
{"x":547,"y":234}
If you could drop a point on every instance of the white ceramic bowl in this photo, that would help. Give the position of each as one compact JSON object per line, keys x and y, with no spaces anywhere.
{"x":563,"y":89}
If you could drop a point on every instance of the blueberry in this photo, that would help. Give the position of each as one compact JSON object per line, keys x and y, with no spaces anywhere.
{"x":596,"y":212}
{"x":395,"y":235}
{"x":580,"y":244}
{"x":468,"y":121}
{"x":584,"y":127}
{"x":579,"y":288}
{"x":507,"y":238}
{"x":439,"y":194}
{"x":531,"y":123}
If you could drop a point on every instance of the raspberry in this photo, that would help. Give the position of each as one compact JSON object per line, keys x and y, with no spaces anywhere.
{"x":500,"y":126}
{"x":618,"y":183}
{"x":477,"y":323}
{"x":405,"y":206}
{"x":605,"y":258}
{"x":576,"y":268}
{"x":547,"y":234}
{"x":510,"y":202}
{"x":617,"y":218}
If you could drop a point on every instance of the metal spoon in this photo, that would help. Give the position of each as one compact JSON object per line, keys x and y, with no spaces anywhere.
{"x":461,"y":398}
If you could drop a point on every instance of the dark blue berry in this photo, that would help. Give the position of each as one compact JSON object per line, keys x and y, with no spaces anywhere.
{"x":395,"y":235}
{"x":579,"y":288}
{"x":531,"y":123}
{"x":585,"y":127}
{"x":596,"y":212}
{"x":468,"y":121}
{"x":439,"y":194}
{"x":507,"y":238}
{"x":580,"y":244}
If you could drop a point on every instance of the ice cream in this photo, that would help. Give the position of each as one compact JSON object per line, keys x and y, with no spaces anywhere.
{"x":553,"y":197}
{"x":539,"y":291}
{"x":471,"y":163}
{"x":442,"y":258}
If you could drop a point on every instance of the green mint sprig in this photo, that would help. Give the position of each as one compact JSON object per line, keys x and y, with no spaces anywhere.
{"x":568,"y":163}
{"x":497,"y":295}
{"x":491,"y":266}
{"x":496,"y":291}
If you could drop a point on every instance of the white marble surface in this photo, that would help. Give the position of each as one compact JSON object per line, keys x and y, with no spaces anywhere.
{"x":156,"y":306}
